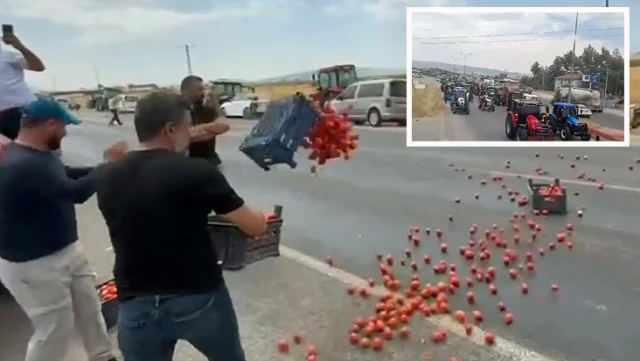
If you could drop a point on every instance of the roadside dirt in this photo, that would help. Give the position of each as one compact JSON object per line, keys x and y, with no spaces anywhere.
{"x":590,"y":123}
{"x":427,"y":102}
{"x":635,"y":85}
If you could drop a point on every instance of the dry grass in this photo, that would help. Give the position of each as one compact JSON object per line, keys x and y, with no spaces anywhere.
{"x":634,"y":97}
{"x":427,"y":103}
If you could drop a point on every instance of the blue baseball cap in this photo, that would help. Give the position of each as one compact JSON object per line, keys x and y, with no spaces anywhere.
{"x":48,"y":109}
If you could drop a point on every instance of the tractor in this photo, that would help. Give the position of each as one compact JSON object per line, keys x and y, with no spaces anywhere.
{"x":525,"y":122}
{"x":332,"y":80}
{"x":227,"y":89}
{"x":564,"y":121}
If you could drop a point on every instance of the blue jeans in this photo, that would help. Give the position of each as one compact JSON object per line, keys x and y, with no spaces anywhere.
{"x":149,"y":327}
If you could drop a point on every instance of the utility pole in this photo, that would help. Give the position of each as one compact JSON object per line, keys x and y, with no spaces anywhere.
{"x":606,"y":3}
{"x":465,"y":61}
{"x":455,"y":60}
{"x":96,"y":74}
{"x":573,"y":57}
{"x":606,"y":82}
{"x":542,"y":85}
{"x":187,"y":53}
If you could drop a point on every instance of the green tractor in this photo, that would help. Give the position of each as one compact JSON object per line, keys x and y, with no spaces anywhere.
{"x":227,"y":89}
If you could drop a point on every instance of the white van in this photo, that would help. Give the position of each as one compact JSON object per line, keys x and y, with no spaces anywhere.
{"x":129,"y":103}
{"x":374,"y":102}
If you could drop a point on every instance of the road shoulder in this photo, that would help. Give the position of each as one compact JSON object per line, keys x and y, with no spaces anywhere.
{"x":279,"y":297}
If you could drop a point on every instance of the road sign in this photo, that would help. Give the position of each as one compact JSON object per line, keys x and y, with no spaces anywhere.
{"x":586,"y":78}
{"x":595,"y":78}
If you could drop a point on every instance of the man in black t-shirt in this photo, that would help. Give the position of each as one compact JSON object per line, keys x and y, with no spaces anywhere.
{"x":203,"y":116}
{"x":155,"y":202}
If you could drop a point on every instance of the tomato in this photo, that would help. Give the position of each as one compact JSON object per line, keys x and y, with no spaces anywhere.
{"x":330,"y":138}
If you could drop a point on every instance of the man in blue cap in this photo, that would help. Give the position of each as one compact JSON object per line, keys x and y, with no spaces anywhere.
{"x":41,"y":263}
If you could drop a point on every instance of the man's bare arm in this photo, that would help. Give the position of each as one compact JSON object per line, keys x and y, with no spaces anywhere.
{"x":208,"y":131}
{"x":33,"y":61}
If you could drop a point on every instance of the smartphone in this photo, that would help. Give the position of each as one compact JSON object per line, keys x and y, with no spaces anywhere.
{"x":7,"y":29}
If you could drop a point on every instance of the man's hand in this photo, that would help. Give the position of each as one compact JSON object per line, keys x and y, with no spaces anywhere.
{"x":208,"y":131}
{"x":13,"y":40}
{"x":116,"y":151}
{"x":4,"y":143}
{"x":33,"y":62}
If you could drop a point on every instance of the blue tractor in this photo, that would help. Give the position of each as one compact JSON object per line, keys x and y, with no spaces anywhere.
{"x":564,"y":121}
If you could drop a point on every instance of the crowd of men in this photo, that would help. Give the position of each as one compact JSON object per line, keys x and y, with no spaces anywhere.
{"x":155,"y":201}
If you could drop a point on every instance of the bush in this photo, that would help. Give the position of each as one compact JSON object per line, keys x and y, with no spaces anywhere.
{"x":634,"y":62}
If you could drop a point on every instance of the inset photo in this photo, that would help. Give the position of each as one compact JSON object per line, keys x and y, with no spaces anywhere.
{"x":514,"y":76}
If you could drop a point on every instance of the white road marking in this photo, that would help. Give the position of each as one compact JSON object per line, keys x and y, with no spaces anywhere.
{"x":503,"y":347}
{"x":597,"y":306}
{"x":567,"y":181}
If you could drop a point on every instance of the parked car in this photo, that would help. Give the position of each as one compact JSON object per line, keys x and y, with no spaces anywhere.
{"x":129,"y":103}
{"x":374,"y":102}
{"x":69,"y":104}
{"x":584,"y":111}
{"x":247,"y":106}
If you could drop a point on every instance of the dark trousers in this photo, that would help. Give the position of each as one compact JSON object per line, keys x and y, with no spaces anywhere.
{"x":149,"y":327}
{"x":10,"y":122}
{"x":115,"y":118}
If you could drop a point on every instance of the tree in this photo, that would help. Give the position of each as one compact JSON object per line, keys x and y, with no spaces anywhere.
{"x":535,"y":69}
{"x":609,"y":64}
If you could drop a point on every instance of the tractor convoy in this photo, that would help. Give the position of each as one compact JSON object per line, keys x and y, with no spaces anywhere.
{"x":527,"y":117}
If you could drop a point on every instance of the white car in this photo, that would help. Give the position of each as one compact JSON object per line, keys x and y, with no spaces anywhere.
{"x":129,"y":103}
{"x":244,"y":106}
{"x":584,"y":111}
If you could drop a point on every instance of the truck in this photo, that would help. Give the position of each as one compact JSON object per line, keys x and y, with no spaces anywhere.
{"x":587,"y":97}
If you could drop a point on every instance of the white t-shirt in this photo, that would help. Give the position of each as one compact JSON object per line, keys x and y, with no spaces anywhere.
{"x":14,"y":91}
{"x":116,"y":103}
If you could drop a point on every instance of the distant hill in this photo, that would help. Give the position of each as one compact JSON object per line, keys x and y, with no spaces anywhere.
{"x":362,"y":73}
{"x":635,"y":55}
{"x":470,"y":69}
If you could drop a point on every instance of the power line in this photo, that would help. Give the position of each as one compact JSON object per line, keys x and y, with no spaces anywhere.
{"x":509,"y":40}
{"x":513,"y":34}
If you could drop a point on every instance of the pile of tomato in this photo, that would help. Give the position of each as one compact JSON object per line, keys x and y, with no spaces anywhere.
{"x":108,"y":291}
{"x":330,"y":138}
{"x":552,"y":191}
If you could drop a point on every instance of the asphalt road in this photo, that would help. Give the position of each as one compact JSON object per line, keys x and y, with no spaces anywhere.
{"x":353,"y":210}
{"x":483,"y":125}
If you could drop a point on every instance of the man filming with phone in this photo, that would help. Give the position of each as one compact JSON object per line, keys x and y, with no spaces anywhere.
{"x":14,"y":91}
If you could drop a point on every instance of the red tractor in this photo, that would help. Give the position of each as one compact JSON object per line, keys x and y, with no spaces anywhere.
{"x":525,"y":122}
{"x":332,"y":80}
{"x":514,"y":95}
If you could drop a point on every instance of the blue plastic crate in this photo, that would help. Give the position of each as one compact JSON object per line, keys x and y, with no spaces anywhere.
{"x":280,"y":131}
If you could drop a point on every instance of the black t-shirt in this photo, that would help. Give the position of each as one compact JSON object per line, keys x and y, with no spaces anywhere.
{"x":206,"y":150}
{"x":156,"y":203}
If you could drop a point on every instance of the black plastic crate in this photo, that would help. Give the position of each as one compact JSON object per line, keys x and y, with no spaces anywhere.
{"x":553,"y":204}
{"x":280,"y":131}
{"x":235,"y":249}
{"x":109,"y":308}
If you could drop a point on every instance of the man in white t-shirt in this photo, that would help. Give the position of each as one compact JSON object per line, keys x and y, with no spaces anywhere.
{"x":115,"y":106}
{"x":14,"y":92}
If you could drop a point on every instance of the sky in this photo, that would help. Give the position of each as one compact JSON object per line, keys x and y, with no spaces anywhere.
{"x":511,"y":41}
{"x":83,"y":42}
